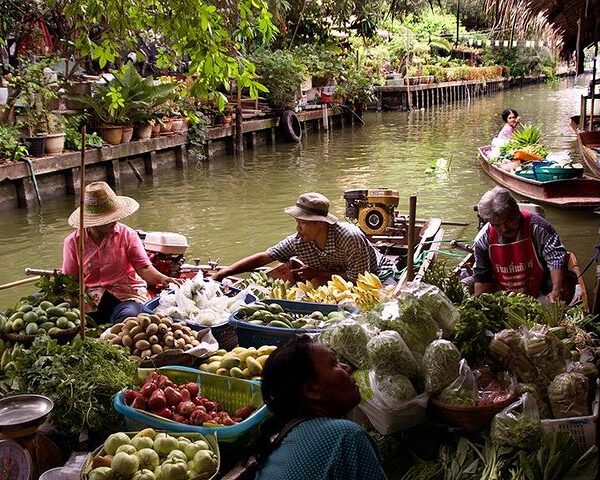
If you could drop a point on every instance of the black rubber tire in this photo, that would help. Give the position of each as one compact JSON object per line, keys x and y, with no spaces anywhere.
{"x":291,"y":126}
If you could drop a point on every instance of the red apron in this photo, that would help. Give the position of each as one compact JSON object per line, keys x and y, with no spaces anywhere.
{"x":516,"y":265}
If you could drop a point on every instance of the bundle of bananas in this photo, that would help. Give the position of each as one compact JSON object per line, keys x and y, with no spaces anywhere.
{"x":268,"y":287}
{"x":365,"y":294}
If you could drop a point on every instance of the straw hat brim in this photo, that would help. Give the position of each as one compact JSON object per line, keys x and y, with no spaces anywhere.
{"x":301,"y":214}
{"x":125,"y":207}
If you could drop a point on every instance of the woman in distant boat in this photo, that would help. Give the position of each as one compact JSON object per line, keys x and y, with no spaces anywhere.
{"x":511,"y":120}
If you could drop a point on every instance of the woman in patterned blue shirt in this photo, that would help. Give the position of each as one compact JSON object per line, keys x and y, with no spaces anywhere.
{"x":304,"y":380}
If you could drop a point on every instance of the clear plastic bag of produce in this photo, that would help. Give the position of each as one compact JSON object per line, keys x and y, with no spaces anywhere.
{"x":508,"y":347}
{"x":497,"y":390}
{"x":411,"y":319}
{"x":389,"y":355}
{"x":461,"y":392}
{"x":349,"y":339}
{"x":518,"y":425}
{"x":545,"y":350}
{"x":385,"y":401}
{"x":568,"y":394}
{"x":439,"y":305}
{"x":441,"y":363}
{"x":540,"y":395}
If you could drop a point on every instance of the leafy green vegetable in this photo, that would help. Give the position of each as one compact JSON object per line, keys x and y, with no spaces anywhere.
{"x":440,"y":365}
{"x":389,"y":355}
{"x":81,"y":378}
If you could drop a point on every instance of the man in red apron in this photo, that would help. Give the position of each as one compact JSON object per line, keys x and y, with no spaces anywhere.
{"x":519,"y":251}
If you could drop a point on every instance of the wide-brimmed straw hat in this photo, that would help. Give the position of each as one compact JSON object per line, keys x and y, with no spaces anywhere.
{"x":312,"y":207}
{"x":102,"y":206}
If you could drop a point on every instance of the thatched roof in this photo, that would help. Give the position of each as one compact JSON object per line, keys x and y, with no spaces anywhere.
{"x":561,"y":15}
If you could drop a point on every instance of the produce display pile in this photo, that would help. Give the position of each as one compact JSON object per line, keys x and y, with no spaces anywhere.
{"x":45,"y":317}
{"x":181,"y":403}
{"x":149,"y":455}
{"x":147,"y":335}
{"x":274,"y":315}
{"x":366,"y":293}
{"x":518,"y":155}
{"x":200,"y":302}
{"x":240,"y":362}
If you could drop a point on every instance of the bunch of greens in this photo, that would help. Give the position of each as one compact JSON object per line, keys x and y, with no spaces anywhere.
{"x":440,"y":275}
{"x":349,"y":339}
{"x":58,"y":287}
{"x":483,"y":316}
{"x":81,"y":378}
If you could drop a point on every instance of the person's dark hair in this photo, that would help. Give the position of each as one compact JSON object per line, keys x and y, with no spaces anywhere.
{"x":286,"y":371}
{"x":507,"y":112}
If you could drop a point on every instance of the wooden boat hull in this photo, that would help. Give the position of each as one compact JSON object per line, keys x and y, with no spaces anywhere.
{"x":574,"y":193}
{"x":589,"y":145}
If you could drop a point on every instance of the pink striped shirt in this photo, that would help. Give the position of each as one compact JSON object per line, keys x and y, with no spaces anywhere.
{"x":110,"y":266}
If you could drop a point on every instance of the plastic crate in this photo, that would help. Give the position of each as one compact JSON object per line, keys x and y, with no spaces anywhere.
{"x":582,"y":429}
{"x":211,"y":440}
{"x":231,"y":393}
{"x":544,"y":172}
{"x":224,"y":333}
{"x":250,"y":335}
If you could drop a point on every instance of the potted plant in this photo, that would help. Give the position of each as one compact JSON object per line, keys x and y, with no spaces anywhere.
{"x":11,"y":147}
{"x":55,"y":133}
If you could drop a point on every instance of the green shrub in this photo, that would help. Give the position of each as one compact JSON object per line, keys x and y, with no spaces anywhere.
{"x":282,"y":74}
{"x":11,"y":148}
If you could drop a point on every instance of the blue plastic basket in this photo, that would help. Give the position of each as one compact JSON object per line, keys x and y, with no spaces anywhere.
{"x":224,"y":333}
{"x":250,"y":335}
{"x":547,"y":172}
{"x":231,"y":393}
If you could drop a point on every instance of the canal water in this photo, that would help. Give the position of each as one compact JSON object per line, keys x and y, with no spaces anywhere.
{"x":231,"y":207}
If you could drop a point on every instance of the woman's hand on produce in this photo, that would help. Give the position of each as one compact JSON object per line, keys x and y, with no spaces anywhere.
{"x":176,"y":281}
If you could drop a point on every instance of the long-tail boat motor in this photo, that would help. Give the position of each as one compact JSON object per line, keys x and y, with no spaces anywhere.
{"x":166,"y":251}
{"x":374,"y":210}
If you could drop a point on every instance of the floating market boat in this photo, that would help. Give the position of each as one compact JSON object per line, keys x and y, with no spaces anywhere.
{"x":589,"y":143}
{"x":571,"y":193}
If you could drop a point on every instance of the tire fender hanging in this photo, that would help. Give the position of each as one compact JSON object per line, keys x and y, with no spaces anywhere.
{"x":290,"y":126}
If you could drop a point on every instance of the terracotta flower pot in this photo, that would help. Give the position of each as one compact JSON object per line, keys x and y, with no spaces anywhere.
{"x":144,"y":131}
{"x":55,"y":143}
{"x":112,"y":134}
{"x":166,"y":126}
{"x":155,"y":130}
{"x":127,"y":134}
{"x":177,"y":125}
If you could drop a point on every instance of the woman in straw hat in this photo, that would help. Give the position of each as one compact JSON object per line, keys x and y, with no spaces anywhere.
{"x":116,"y":268}
{"x":321,"y":247}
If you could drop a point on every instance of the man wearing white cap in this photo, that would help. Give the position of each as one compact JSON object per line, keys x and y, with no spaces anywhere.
{"x":322,"y":244}
{"x":116,"y":268}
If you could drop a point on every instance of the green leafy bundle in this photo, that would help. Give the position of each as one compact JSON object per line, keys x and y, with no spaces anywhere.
{"x":483,"y":316}
{"x":81,"y":378}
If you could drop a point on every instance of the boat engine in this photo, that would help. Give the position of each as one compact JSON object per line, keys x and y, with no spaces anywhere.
{"x":165,"y":250}
{"x":374,"y":210}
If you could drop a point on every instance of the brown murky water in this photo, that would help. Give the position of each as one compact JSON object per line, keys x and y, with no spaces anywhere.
{"x":232,"y":207}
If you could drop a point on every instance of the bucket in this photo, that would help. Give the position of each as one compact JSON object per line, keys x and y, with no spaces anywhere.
{"x":52,"y":474}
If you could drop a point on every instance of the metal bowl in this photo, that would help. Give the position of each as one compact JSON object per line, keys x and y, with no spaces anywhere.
{"x":24,"y":411}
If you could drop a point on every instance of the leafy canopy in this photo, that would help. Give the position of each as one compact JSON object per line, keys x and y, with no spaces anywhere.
{"x":212,"y":36}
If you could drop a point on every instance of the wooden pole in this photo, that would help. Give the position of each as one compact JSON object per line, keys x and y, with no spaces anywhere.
{"x":81,"y":232}
{"x":593,"y":88}
{"x":23,"y":281}
{"x":239,"y":135}
{"x":410,"y":261}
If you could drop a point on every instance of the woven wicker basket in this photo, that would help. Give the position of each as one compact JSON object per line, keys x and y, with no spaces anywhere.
{"x":471,"y":419}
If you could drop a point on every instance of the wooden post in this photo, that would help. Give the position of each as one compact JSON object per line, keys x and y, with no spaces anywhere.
{"x":81,"y":233}
{"x":593,"y":85}
{"x":410,"y":261}
{"x":239,"y":133}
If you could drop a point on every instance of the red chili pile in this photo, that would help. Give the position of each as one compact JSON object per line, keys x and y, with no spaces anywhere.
{"x":164,"y":398}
